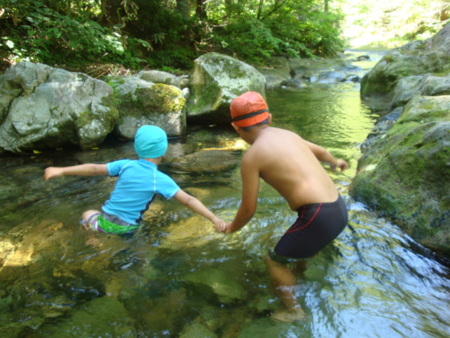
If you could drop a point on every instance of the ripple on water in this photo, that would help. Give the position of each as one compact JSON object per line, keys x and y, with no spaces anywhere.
{"x":177,"y":276}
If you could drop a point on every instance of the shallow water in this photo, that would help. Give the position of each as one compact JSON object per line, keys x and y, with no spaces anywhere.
{"x":177,"y":277}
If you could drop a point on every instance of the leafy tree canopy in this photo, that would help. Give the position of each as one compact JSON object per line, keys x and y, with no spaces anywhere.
{"x":168,"y":34}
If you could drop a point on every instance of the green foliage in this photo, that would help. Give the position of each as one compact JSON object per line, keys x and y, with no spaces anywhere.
{"x":249,"y":39}
{"x":42,"y":34}
{"x":171,"y":35}
{"x":294,"y":29}
{"x":155,"y":33}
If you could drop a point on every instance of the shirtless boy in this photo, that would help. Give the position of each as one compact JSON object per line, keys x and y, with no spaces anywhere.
{"x":291,"y":165}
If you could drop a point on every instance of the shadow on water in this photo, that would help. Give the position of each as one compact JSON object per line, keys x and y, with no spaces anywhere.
{"x":177,"y":277}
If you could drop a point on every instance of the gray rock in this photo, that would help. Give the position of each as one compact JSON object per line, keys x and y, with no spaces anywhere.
{"x":156,"y":76}
{"x":427,"y":85}
{"x":405,"y":173}
{"x":142,"y":102}
{"x":431,"y":56}
{"x":206,"y":161}
{"x":45,"y":107}
{"x":215,"y":81}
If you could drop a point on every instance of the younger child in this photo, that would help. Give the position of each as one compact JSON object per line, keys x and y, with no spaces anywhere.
{"x":138,"y":183}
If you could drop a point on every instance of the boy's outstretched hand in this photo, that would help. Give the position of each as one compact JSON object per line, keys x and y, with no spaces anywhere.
{"x":341,"y":164}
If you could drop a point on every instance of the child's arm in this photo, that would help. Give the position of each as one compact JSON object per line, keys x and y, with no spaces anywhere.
{"x":196,"y":206}
{"x":87,"y":169}
{"x":324,"y":155}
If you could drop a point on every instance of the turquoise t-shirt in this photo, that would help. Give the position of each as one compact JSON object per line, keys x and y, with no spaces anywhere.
{"x":138,"y":183}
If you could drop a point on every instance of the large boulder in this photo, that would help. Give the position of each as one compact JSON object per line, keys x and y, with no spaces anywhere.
{"x":143,"y":102}
{"x":431,"y":56}
{"x":215,"y":81}
{"x":42,"y":107}
{"x":405,"y":173}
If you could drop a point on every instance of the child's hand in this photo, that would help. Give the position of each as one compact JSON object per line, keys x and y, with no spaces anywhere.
{"x":222,"y":227}
{"x":52,"y":172}
{"x":341,"y":164}
{"x":218,"y":223}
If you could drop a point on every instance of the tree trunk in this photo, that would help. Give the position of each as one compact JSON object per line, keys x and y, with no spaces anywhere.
{"x":258,"y":16}
{"x":110,"y":15}
{"x":228,"y":4}
{"x":184,"y":8}
{"x":200,"y":9}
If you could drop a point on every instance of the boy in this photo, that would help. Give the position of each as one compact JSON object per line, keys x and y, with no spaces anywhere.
{"x":290,"y":165}
{"x":138,"y":183}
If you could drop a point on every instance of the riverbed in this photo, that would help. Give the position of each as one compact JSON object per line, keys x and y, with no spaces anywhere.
{"x":178,"y":278}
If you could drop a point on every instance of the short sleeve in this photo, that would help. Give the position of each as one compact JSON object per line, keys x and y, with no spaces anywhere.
{"x":166,"y":186}
{"x":114,"y":168}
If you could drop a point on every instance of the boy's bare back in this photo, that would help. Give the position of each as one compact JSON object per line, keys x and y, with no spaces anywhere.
{"x":287,"y":162}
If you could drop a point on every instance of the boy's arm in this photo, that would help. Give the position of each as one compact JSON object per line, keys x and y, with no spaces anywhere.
{"x":88,"y":169}
{"x":249,"y":201}
{"x":324,"y":155}
{"x":196,"y":206}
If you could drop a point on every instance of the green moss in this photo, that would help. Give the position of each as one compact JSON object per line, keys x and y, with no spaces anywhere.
{"x":84,"y":119}
{"x":388,"y":58}
{"x":161,"y":98}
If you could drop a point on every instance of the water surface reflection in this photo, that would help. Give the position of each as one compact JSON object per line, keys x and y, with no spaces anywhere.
{"x":176,"y":277}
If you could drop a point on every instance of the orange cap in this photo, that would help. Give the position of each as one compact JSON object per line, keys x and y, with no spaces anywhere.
{"x":248,"y":109}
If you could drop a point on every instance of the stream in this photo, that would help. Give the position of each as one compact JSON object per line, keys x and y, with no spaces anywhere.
{"x":176,"y":277}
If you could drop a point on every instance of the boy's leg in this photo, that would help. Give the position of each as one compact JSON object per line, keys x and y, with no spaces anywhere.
{"x":89,"y":219}
{"x":284,"y":282}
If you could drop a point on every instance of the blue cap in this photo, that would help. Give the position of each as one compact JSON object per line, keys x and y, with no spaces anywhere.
{"x":150,"y":142}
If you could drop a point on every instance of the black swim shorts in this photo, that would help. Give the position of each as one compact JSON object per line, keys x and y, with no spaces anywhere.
{"x":316,"y":226}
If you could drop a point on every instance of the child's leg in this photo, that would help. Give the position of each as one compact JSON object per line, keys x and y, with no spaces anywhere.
{"x":284,"y":282}
{"x":89,"y":219}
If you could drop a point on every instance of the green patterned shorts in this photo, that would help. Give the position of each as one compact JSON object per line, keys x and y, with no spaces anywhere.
{"x":104,"y":223}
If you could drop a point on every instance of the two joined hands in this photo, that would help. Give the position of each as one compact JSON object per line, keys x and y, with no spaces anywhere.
{"x":221,"y":226}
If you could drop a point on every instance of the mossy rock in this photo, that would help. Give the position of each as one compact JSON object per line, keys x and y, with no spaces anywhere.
{"x":215,"y":81}
{"x":405,"y":175}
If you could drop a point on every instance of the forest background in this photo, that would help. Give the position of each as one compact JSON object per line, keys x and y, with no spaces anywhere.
{"x":106,"y":36}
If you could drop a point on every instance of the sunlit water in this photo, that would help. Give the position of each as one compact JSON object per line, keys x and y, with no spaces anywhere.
{"x":177,"y":277}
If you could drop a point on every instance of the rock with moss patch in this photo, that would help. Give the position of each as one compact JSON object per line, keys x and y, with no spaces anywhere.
{"x":431,"y":56}
{"x":215,"y":81}
{"x":44,"y":107}
{"x":427,"y":85}
{"x":406,"y":173}
{"x":142,"y":102}
{"x":93,"y":319}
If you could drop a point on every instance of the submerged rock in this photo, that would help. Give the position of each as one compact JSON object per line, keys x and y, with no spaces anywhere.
{"x":207,"y":161}
{"x":225,"y":285}
{"x":105,"y":314}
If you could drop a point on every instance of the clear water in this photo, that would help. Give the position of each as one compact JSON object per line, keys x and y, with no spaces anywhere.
{"x":178,"y":278}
